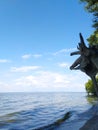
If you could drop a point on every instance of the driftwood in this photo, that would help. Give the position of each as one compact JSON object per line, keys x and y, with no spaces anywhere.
{"x":87,"y":61}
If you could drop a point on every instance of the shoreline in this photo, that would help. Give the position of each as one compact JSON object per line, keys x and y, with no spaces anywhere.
{"x":74,"y":125}
{"x":87,"y":121}
{"x":91,"y":124}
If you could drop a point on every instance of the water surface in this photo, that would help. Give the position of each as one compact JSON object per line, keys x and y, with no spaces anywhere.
{"x":31,"y":111}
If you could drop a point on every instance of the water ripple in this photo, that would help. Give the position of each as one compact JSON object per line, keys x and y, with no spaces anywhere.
{"x":21,"y":111}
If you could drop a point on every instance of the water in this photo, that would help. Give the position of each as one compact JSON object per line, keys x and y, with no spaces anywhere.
{"x":30,"y":111}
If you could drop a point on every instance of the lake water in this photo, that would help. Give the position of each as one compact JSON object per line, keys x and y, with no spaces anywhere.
{"x":32,"y":111}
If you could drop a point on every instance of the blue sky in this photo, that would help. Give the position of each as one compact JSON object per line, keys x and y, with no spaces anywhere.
{"x":36,"y":38}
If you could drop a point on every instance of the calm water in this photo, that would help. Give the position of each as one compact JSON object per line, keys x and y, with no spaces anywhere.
{"x":30,"y":111}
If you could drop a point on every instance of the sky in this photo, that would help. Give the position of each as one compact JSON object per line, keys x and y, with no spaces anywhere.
{"x":36,"y":39}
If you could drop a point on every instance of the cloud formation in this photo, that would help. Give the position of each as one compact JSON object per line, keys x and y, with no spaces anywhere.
{"x":46,"y":81}
{"x":64,"y":65}
{"x":4,"y":61}
{"x":27,"y":56}
{"x":24,"y":68}
{"x":64,"y":51}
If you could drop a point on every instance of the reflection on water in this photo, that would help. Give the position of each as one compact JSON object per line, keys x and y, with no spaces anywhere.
{"x":92,"y":99}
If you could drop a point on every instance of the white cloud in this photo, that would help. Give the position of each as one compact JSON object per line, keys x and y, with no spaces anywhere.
{"x":63,"y":51}
{"x":37,"y":55}
{"x":27,"y":81}
{"x":50,"y":81}
{"x":24,"y":68}
{"x":64,"y":65}
{"x":69,"y":81}
{"x":27,"y":56}
{"x":4,"y":61}
{"x":4,"y":87}
{"x":44,"y":80}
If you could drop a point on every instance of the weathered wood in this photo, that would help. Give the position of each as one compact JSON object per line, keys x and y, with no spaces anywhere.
{"x":87,"y":61}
